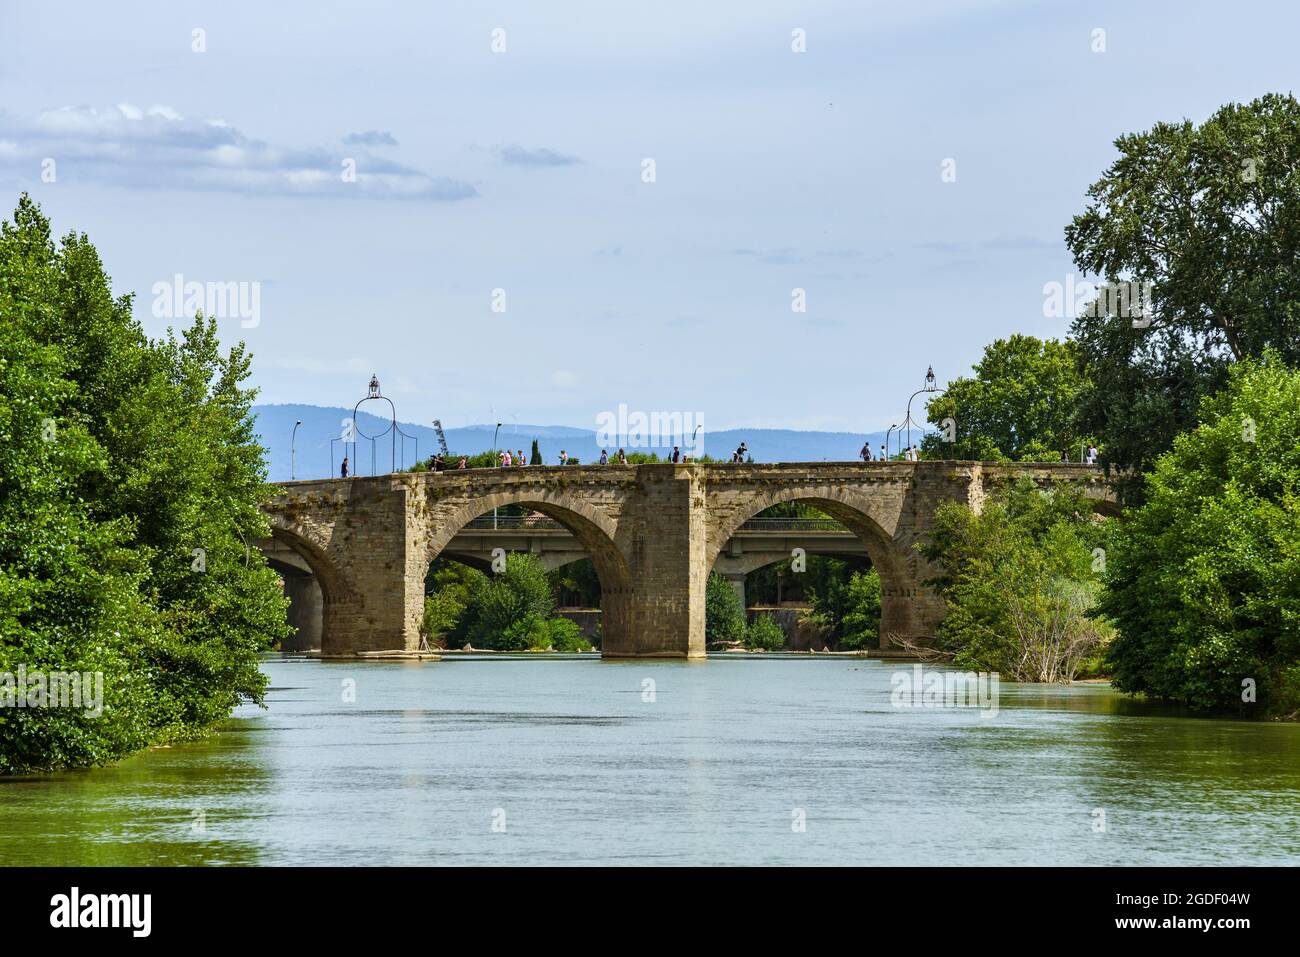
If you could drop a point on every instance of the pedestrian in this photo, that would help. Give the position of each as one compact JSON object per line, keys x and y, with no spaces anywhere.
{"x":343,"y":472}
{"x":463,"y":463}
{"x":604,"y":457}
{"x":916,"y":454}
{"x":622,"y":459}
{"x":1065,"y":455}
{"x":564,"y":457}
{"x":883,"y":456}
{"x":677,"y":455}
{"x":506,"y":461}
{"x":1092,"y":455}
{"x":866,"y":452}
{"x":519,"y":458}
{"x":739,"y":454}
{"x":439,"y":463}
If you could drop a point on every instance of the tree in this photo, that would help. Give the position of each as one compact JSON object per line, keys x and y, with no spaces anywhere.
{"x":128,"y":501}
{"x":860,"y":626}
{"x":1020,"y":405}
{"x":498,"y":601}
{"x":724,"y":618}
{"x":535,"y":457}
{"x":1019,"y":583}
{"x":763,"y":633}
{"x":1209,"y":216}
{"x":1204,"y":579}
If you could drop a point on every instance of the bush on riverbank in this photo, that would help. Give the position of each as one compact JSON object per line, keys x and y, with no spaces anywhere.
{"x":510,"y":611}
{"x":130,"y":479}
{"x":764,"y":634}
{"x":1021,"y":583}
{"x":724,"y":616}
{"x":1204,"y":579}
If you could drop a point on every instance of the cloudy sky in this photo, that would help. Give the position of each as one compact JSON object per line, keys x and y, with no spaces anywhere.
{"x":388,"y":173}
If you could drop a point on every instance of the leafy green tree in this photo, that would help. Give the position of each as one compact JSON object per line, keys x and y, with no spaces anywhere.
{"x":845,"y":602}
{"x":1019,"y":406}
{"x":128,"y":501}
{"x":1209,"y":215}
{"x":497,"y":602}
{"x":576,"y":585}
{"x":450,"y":584}
{"x":861,"y":621}
{"x":1019,"y":583}
{"x":765,"y":634}
{"x":535,"y":456}
{"x":1204,"y":579}
{"x":724,"y":618}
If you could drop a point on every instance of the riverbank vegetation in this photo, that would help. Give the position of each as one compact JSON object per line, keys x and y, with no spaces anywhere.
{"x":513,"y":610}
{"x":130,"y":480}
{"x":1187,"y":381}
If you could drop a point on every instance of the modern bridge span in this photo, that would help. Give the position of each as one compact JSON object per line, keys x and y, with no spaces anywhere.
{"x":653,"y":533}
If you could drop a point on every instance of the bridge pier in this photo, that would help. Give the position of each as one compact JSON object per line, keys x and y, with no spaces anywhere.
{"x":663,"y":536}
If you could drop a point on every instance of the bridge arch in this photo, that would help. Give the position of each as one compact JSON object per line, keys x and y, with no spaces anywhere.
{"x":336,"y":588}
{"x":594,"y":529}
{"x":906,"y":606}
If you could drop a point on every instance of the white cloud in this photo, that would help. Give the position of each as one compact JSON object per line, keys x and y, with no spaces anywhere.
{"x":158,"y":147}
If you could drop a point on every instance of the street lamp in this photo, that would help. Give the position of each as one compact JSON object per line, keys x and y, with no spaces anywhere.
{"x":293,"y":451}
{"x":930,"y":386}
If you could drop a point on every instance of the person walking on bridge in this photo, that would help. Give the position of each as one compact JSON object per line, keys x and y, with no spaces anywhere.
{"x":739,"y":454}
{"x":677,"y":455}
{"x":866,"y":452}
{"x":604,"y":457}
{"x":343,"y":472}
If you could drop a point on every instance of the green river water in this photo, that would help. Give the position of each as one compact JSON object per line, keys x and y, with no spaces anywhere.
{"x":754,"y":760}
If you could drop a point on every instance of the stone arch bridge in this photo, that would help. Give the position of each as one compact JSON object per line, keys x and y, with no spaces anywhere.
{"x":653,"y":533}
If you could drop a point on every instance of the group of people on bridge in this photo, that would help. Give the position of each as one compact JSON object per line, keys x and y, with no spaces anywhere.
{"x":910,"y":454}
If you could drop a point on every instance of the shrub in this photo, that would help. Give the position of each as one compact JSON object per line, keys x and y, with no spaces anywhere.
{"x":764,"y":633}
{"x":724,"y":618}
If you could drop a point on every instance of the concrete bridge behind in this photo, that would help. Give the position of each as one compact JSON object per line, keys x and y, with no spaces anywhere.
{"x":653,"y":533}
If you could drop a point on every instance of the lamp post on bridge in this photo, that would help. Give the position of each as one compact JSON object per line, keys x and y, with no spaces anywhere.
{"x":293,"y":451}
{"x":930,"y":386}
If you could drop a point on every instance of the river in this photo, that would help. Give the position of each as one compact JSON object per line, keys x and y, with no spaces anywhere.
{"x":734,"y":760}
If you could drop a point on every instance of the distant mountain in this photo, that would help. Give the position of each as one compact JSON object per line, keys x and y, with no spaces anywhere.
{"x":319,"y":457}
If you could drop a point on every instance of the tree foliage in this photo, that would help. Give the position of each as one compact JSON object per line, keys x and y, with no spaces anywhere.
{"x":1204,"y":579}
{"x":724,"y":617}
{"x":130,"y":480}
{"x":1019,"y":583}
{"x":1020,"y":405}
{"x":763,"y":633}
{"x":1209,"y":215}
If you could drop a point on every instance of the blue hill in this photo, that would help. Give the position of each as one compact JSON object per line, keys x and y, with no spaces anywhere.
{"x":319,"y":457}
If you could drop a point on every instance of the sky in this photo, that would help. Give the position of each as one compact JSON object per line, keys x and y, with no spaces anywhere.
{"x":456,"y":197}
